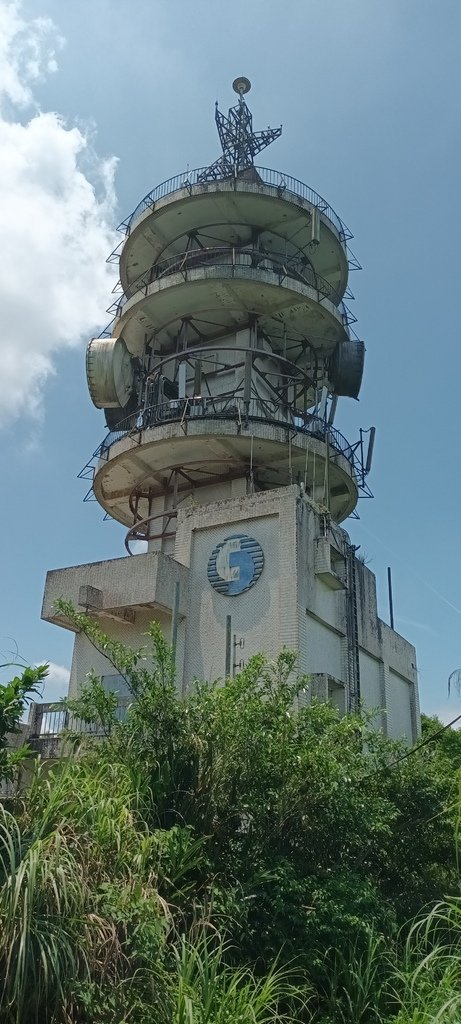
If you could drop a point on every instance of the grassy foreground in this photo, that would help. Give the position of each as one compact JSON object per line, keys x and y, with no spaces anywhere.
{"x":227,"y":859}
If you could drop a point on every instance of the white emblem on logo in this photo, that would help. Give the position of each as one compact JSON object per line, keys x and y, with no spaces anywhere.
{"x":235,"y":564}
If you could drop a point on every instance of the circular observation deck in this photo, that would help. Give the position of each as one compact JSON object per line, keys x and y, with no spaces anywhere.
{"x":191,"y":445}
{"x":218,"y":291}
{"x":275,"y":212}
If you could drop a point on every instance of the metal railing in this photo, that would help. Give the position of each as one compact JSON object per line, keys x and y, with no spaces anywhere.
{"x":49,"y":721}
{"x":231,"y":256}
{"x":285,"y":183}
{"x":230,"y":407}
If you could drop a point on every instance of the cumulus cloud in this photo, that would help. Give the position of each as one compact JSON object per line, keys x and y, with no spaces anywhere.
{"x":57,"y":204}
{"x":57,"y":682}
{"x":27,"y":52}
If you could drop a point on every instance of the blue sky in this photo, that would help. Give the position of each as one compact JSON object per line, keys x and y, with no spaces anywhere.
{"x":369,"y":95}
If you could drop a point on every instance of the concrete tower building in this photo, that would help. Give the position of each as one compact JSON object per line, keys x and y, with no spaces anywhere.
{"x":219,"y":376}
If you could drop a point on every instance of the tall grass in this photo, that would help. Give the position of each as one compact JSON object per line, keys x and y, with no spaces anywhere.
{"x":353,"y":983}
{"x":429,"y":978}
{"x":417,"y":982}
{"x":207,"y":991}
{"x":78,"y":875}
{"x":48,"y":932}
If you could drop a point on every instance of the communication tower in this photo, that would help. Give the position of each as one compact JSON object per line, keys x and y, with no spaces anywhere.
{"x":219,"y":376}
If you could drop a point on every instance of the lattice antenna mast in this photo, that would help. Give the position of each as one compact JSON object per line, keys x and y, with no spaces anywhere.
{"x":239,"y":143}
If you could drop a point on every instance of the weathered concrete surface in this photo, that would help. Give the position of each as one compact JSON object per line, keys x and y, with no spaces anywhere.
{"x":299,"y":601}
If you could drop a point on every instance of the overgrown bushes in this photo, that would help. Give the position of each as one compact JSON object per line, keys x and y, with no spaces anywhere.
{"x":230,"y":857}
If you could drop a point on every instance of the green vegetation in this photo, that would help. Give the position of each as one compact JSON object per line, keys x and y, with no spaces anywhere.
{"x":14,"y":698}
{"x":227,"y":859}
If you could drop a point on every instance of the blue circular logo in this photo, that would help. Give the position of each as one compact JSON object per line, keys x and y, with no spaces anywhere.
{"x":235,"y":564}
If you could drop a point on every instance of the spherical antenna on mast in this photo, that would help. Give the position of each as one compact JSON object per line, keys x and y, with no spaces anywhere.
{"x":241,"y":85}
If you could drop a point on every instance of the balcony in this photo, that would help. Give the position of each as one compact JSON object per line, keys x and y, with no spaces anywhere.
{"x":50,"y":725}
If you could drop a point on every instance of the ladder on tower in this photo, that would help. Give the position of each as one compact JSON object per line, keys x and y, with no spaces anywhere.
{"x":352,"y":626}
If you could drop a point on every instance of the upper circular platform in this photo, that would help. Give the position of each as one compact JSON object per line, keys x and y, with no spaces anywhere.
{"x":285,"y":216}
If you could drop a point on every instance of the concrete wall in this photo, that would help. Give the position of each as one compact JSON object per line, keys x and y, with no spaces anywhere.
{"x":400,"y":714}
{"x":373,"y":693}
{"x":299,"y":601}
{"x":265,"y":615}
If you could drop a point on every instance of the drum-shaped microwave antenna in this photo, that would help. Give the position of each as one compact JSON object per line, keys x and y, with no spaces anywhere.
{"x":346,"y":368}
{"x":109,"y":372}
{"x":123,"y":419}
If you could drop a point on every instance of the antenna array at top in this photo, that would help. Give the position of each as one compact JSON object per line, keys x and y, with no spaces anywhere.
{"x":239,"y":143}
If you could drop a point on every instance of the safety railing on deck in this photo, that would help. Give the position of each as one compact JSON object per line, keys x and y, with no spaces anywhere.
{"x":294,"y":267}
{"x":230,"y":407}
{"x":284,"y":183}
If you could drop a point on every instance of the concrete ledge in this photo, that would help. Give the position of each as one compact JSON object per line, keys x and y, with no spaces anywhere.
{"x":141,"y":581}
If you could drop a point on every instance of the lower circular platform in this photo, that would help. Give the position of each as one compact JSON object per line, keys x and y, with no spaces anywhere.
{"x":184,"y":457}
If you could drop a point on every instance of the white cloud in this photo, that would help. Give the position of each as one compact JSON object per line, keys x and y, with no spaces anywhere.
{"x":27,"y":52}
{"x":56,"y":212}
{"x":57,"y":682}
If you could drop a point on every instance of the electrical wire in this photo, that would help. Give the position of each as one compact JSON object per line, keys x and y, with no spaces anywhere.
{"x":413,"y":750}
